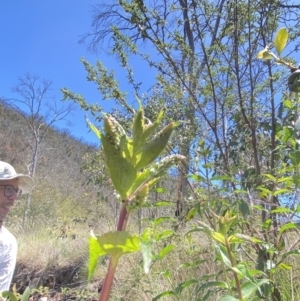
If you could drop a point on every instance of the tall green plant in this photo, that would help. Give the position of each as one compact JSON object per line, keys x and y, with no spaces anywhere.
{"x":133,"y":166}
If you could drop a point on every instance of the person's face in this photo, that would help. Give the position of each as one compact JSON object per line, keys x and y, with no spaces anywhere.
{"x":6,"y":202}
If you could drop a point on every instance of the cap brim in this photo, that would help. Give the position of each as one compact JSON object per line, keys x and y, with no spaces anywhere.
{"x":24,"y":182}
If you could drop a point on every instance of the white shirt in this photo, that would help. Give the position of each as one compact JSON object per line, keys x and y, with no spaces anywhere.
{"x":8,"y":257}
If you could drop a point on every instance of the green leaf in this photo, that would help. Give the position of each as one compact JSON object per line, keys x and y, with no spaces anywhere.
{"x":93,"y":128}
{"x":164,"y":234}
{"x":267,"y":224}
{"x":219,"y":284}
{"x":264,"y":54}
{"x":153,"y":148}
{"x":161,"y":190}
{"x":244,"y":208}
{"x":166,"y":250}
{"x":122,"y":173}
{"x":282,"y":210}
{"x":219,"y":237}
{"x":191,"y":214}
{"x":163,"y":204}
{"x":222,"y":178}
{"x":162,"y":219}
{"x":115,"y":244}
{"x":281,"y":40}
{"x":118,"y":243}
{"x":95,"y":251}
{"x":281,"y":191}
{"x":26,"y":294}
{"x":248,"y":288}
{"x":285,"y":266}
{"x":148,"y":131}
{"x":138,"y":124}
{"x":224,"y":255}
{"x":197,"y":178}
{"x":292,"y":252}
{"x":270,"y":177}
{"x":296,"y":180}
{"x":192,"y":264}
{"x":9,"y":295}
{"x":164,"y":294}
{"x":295,"y":157}
{"x":245,"y":271}
{"x":185,"y":284}
{"x":287,"y":226}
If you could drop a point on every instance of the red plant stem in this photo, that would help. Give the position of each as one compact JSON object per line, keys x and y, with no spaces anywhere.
{"x":107,"y":284}
{"x":113,"y":262}
{"x":123,"y":218}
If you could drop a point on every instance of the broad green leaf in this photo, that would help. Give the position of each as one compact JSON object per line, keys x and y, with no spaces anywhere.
{"x":165,"y":251}
{"x":185,"y":284}
{"x":282,"y":210}
{"x":122,"y":173}
{"x":248,"y":288}
{"x":284,"y":179}
{"x":118,"y":243}
{"x":95,"y":251}
{"x":164,"y":294}
{"x":287,"y":226}
{"x":112,"y":243}
{"x":10,"y":295}
{"x":164,"y":234}
{"x":271,"y":177}
{"x":281,"y":39}
{"x":281,"y":191}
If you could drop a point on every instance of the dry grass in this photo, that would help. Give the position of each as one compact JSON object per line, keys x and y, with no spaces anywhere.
{"x":45,"y":251}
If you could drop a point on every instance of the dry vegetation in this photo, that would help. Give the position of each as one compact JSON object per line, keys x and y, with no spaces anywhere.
{"x":53,"y":244}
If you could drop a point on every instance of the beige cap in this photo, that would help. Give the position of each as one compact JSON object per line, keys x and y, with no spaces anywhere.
{"x":7,"y":172}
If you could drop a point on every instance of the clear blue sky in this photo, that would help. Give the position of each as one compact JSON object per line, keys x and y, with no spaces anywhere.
{"x":41,"y":37}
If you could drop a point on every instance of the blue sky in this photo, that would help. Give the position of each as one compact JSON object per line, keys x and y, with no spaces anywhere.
{"x":41,"y":37}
